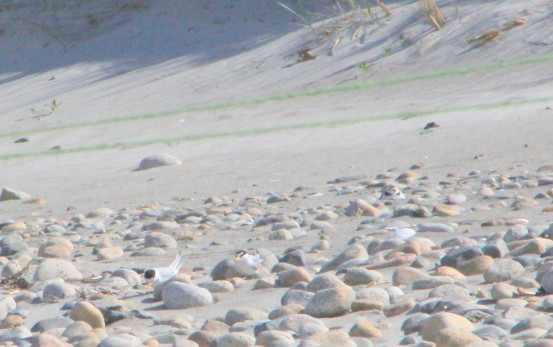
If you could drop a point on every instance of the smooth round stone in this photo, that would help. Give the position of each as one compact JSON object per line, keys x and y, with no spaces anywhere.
{"x":76,"y":329}
{"x":457,"y":255}
{"x":503,"y":270}
{"x":51,"y":323}
{"x":297,"y":258}
{"x":217,"y":286}
{"x":537,"y":321}
{"x":177,"y":295}
{"x":528,"y":260}
{"x":281,"y":235}
{"x":434,"y":325}
{"x":496,"y":249}
{"x":504,"y":304}
{"x":399,"y":307}
{"x":274,"y":338}
{"x":528,"y":334}
{"x":203,"y":338}
{"x":331,"y":302}
{"x":86,"y":312}
{"x":243,"y":314}
{"x":12,"y":321}
{"x":352,"y":252}
{"x":360,"y":207}
{"x":475,"y":266}
{"x":407,"y":275}
{"x":364,"y":328}
{"x":54,"y":229}
{"x":361,"y":276}
{"x":286,"y":224}
{"x":301,"y":324}
{"x":179,"y":321}
{"x":289,"y":277}
{"x":58,"y":290}
{"x":324,"y":281}
{"x":366,"y":305}
{"x":285,"y":310}
{"x":516,"y":232}
{"x":264,"y":283}
{"x":108,"y":253}
{"x":121,"y":340}
{"x":7,"y":304}
{"x":16,"y":334}
{"x":454,"y":199}
{"x":378,"y":294}
{"x":450,"y":291}
{"x":491,"y":333}
{"x":132,"y":278}
{"x":56,"y":268}
{"x":54,"y":251}
{"x":149,"y":252}
{"x":157,"y":160}
{"x":450,"y":272}
{"x":413,"y":323}
{"x":431,"y":282}
{"x":294,"y":296}
{"x":161,"y":240}
{"x":236,"y":339}
{"x":503,"y":291}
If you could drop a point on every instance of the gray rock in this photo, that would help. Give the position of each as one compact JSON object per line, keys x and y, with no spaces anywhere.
{"x":220,"y":286}
{"x":457,"y":255}
{"x":51,"y":323}
{"x":352,"y":252}
{"x":179,"y":295}
{"x":414,"y":323}
{"x":496,"y":249}
{"x":435,"y":227}
{"x":450,"y":292}
{"x":56,"y":268}
{"x":7,"y":304}
{"x":16,"y":334}
{"x":161,"y":240}
{"x":243,"y":314}
{"x":121,"y":340}
{"x":324,"y":281}
{"x":76,"y":329}
{"x":12,"y":194}
{"x":491,"y":333}
{"x":274,"y":338}
{"x":516,"y":232}
{"x":132,"y":278}
{"x":236,"y":339}
{"x":157,"y":161}
{"x":293,"y":296}
{"x":503,"y":270}
{"x":301,"y":324}
{"x":331,"y":302}
{"x":149,"y":252}
{"x":297,"y":258}
{"x":58,"y":290}
{"x":536,"y":321}
{"x":378,"y":294}
{"x":223,"y":269}
{"x":431,"y":282}
{"x":281,"y":235}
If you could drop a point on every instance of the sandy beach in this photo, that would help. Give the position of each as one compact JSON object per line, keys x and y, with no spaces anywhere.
{"x":132,"y":130}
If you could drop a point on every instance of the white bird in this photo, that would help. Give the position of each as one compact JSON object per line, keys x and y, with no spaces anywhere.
{"x":246,"y":264}
{"x":401,"y":233}
{"x":163,"y":274}
{"x":391,"y":192}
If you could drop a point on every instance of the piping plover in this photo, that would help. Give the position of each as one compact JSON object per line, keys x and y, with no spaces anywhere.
{"x":391,"y":192}
{"x":246,"y":264}
{"x":163,"y":274}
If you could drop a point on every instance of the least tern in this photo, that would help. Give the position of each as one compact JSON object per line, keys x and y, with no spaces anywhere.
{"x":246,"y":264}
{"x":391,"y":192}
{"x":163,"y":274}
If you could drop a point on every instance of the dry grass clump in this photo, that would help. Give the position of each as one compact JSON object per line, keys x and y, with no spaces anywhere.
{"x":433,"y":13}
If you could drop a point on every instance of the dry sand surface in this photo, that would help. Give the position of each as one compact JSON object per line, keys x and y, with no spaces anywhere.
{"x":276,"y":154}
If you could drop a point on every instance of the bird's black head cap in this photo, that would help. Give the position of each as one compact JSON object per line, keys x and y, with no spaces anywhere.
{"x":149,"y":274}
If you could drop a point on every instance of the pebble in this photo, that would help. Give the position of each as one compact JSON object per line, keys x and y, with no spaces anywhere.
{"x":12,"y":194}
{"x":177,"y":295}
{"x":289,"y":277}
{"x":87,"y":312}
{"x":58,"y":290}
{"x":242,"y":314}
{"x":157,"y":160}
{"x":503,"y":270}
{"x":331,"y":302}
{"x":56,"y":268}
{"x":399,"y":307}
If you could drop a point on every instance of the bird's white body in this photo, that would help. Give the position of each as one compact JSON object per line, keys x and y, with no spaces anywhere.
{"x":247,"y":264}
{"x":166,"y":273}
